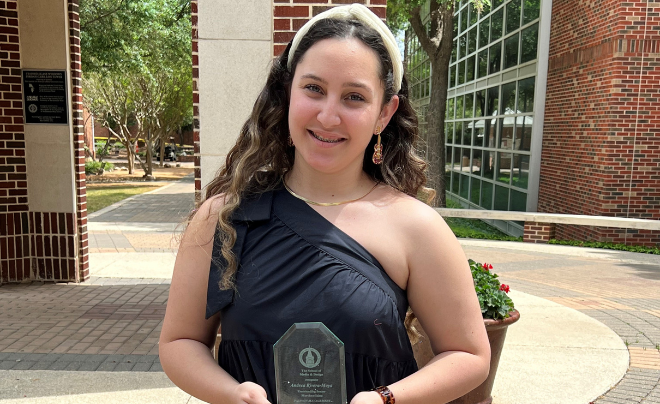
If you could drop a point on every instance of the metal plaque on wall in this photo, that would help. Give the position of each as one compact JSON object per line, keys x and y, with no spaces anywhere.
{"x":45,"y":96}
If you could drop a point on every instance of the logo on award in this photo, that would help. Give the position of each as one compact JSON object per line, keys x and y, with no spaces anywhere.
{"x":309,"y":357}
{"x":32,"y":108}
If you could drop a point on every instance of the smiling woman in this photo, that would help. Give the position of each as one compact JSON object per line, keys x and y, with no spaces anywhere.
{"x":314,"y":218}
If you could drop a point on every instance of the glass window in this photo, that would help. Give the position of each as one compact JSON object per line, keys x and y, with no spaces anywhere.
{"x":496,"y":3}
{"x":520,"y":171}
{"x":464,"y":19}
{"x":452,"y":76}
{"x":503,"y":167}
{"x":486,"y":200}
{"x":509,"y":98}
{"x":450,"y":109}
{"x":493,"y":101}
{"x":463,"y":44}
{"x":484,"y":28}
{"x":447,"y":164}
{"x":475,"y":191}
{"x":474,"y":16}
{"x":465,"y":186}
{"x":467,"y":133}
{"x":506,"y":133}
{"x":476,"y":163}
{"x":459,"y":107}
{"x":496,"y":25}
{"x":530,"y":38}
{"x":469,"y":101}
{"x":472,"y":41}
{"x":530,"y":10}
{"x":461,"y":72}
{"x":482,"y":70}
{"x":518,"y":201}
{"x":469,"y":75}
{"x":495,"y":58}
{"x":456,"y":163}
{"x":501,"y":198}
{"x":450,"y":133}
{"x":489,"y":133}
{"x":478,"y":135}
{"x":454,"y":182}
{"x":512,"y":16}
{"x":454,"y":49}
{"x":488,"y":165}
{"x":455,"y":26}
{"x":479,"y":103}
{"x":458,"y":135}
{"x":526,"y":95}
{"x":524,"y":133}
{"x":511,"y":51}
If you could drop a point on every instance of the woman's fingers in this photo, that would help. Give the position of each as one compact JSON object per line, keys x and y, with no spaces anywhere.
{"x":250,"y":393}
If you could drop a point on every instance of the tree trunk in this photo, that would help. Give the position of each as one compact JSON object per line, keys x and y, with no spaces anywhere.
{"x":129,"y":157}
{"x":148,"y":172}
{"x":162,"y":152}
{"x":437,"y":43}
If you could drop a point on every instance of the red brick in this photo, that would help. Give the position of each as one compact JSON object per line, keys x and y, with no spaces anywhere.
{"x":291,"y":11}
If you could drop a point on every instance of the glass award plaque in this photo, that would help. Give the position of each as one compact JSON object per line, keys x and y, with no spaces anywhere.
{"x":310,"y":366}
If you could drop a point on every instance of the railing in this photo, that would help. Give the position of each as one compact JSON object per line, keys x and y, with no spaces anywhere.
{"x":553,"y":218}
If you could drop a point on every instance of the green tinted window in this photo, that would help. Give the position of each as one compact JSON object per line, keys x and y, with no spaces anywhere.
{"x":496,"y":25}
{"x":511,"y":51}
{"x":530,"y":38}
{"x":530,"y":10}
{"x":512,"y":16}
{"x":495,"y":58}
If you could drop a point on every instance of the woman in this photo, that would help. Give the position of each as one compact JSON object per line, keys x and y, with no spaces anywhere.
{"x":314,"y":218}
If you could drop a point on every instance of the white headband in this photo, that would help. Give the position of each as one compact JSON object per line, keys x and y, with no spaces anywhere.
{"x":368,"y":18}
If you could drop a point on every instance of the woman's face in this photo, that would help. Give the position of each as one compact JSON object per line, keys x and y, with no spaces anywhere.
{"x":336,"y":104}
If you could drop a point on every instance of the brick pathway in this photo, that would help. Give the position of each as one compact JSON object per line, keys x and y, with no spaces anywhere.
{"x":625,"y":296}
{"x":113,"y":324}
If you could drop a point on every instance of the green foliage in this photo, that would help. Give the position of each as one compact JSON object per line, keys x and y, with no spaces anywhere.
{"x":608,"y":246}
{"x":474,"y":228}
{"x":493,"y":298}
{"x":399,"y":11}
{"x":94,"y":167}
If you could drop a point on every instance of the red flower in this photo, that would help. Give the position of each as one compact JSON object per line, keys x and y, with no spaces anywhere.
{"x":487,"y":266}
{"x":505,"y":288}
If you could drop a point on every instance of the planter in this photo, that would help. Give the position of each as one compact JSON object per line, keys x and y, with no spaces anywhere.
{"x":496,"y":330}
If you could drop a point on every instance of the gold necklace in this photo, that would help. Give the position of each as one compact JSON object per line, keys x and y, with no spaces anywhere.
{"x":302,"y":198}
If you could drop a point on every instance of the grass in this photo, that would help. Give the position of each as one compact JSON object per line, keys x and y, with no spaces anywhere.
{"x":103,"y":196}
{"x":474,"y":228}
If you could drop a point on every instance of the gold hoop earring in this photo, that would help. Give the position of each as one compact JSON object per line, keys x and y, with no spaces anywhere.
{"x":377,"y":158}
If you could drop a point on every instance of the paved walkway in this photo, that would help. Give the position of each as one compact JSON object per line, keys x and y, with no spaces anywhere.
{"x":589,"y":330}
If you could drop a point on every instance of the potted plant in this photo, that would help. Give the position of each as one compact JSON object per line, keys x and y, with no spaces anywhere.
{"x":498,"y":312}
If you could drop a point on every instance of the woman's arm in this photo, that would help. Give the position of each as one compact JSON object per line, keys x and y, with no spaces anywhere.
{"x":187,"y":337}
{"x":442,"y":296}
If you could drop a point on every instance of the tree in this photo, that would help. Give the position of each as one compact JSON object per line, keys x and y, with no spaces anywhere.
{"x":436,"y":39}
{"x":137,"y":64}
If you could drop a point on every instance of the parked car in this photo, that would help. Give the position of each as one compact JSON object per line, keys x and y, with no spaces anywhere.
{"x":170,"y":153}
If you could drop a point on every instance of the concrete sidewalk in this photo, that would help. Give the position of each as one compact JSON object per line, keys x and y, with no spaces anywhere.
{"x":589,"y":328}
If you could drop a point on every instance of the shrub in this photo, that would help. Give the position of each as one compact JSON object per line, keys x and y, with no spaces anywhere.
{"x":493,"y":298}
{"x":94,"y":167}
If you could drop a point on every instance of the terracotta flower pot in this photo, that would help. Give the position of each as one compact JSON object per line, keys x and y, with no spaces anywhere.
{"x":496,"y":330}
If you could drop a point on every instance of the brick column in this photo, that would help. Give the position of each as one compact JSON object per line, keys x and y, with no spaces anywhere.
{"x":82,"y":263}
{"x":14,"y":220}
{"x":290,"y":15}
{"x":195,"y":67}
{"x":538,"y":232}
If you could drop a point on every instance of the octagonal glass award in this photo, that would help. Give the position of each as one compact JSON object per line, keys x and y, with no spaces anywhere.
{"x":310,"y":366}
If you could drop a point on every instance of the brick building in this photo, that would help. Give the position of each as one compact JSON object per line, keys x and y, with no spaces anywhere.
{"x":553,"y":107}
{"x":43,"y":221}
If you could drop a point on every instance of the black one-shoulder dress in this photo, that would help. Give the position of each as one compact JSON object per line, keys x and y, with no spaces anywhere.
{"x":295,"y":266}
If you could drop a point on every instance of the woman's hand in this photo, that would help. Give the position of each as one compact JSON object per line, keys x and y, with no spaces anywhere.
{"x":367,"y":397}
{"x":250,"y":393}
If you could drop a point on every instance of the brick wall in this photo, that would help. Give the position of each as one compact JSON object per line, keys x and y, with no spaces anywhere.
{"x":14,"y":220}
{"x":195,"y":61}
{"x":290,"y":15}
{"x":601,"y":140}
{"x":36,"y":245}
{"x":77,"y":123}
